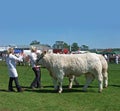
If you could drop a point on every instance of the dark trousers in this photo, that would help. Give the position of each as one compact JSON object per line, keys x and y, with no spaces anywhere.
{"x":10,"y":86}
{"x":37,"y":80}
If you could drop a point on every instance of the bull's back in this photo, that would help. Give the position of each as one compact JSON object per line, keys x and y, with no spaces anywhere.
{"x":74,"y":64}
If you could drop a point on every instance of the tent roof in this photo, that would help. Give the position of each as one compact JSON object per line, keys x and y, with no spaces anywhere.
{"x":107,"y":52}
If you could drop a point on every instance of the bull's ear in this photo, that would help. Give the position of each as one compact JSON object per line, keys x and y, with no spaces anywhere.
{"x":44,"y":52}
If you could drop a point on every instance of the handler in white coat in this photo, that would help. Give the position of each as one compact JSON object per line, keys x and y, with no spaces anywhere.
{"x":13,"y":75}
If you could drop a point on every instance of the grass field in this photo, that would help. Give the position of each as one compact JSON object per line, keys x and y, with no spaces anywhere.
{"x":46,"y":99}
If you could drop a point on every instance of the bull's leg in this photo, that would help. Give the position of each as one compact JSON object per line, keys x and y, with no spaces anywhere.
{"x":105,"y":78}
{"x":89,"y":79}
{"x":60,"y":80}
{"x":76,"y":82}
{"x":55,"y":83}
{"x":100,"y":81}
{"x":60,"y":87}
{"x":71,"y":78}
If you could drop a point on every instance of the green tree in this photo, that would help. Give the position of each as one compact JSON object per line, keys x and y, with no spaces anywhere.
{"x":35,"y":42}
{"x":84,"y":47}
{"x":74,"y":47}
{"x":65,"y":45}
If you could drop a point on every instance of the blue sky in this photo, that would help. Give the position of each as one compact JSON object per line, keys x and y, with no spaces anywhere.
{"x":95,"y":23}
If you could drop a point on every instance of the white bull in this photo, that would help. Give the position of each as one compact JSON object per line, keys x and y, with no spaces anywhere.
{"x":68,"y":65}
{"x":104,"y":73}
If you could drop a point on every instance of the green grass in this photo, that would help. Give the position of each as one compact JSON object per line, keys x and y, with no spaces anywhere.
{"x":70,"y":100}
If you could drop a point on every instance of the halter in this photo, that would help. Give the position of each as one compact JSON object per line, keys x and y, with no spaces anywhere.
{"x":39,"y":57}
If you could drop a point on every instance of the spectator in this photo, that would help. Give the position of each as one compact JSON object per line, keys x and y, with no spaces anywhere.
{"x":116,"y":59}
{"x":106,"y":57}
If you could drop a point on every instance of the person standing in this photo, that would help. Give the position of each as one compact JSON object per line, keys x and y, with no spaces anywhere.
{"x":36,"y":69}
{"x":13,"y":75}
{"x":106,"y":57}
{"x":117,"y":59}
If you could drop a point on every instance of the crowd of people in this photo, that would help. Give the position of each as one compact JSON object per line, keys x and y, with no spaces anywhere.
{"x":112,"y":58}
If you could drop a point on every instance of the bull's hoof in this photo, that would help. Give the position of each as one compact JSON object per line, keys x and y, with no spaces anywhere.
{"x":60,"y":91}
{"x":105,"y":86}
{"x":100,"y":91}
{"x":84,"y":90}
{"x":69,"y":87}
{"x":77,"y":84}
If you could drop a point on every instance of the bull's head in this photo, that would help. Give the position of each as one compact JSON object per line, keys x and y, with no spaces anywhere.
{"x":40,"y":56}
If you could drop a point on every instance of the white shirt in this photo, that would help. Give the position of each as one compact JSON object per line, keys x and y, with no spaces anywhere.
{"x":11,"y":63}
{"x":33,"y":58}
{"x":117,"y":57}
{"x":105,"y":56}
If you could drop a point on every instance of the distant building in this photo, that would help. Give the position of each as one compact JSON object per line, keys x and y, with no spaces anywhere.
{"x":58,"y":45}
{"x":3,"y":48}
{"x":19,"y":48}
{"x":42,"y":47}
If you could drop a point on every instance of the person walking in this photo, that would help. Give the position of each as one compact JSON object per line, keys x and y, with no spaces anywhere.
{"x":117,"y":59}
{"x":13,"y":75}
{"x":36,"y":83}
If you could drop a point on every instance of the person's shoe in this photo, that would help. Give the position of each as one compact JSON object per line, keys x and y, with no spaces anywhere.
{"x":32,"y":87}
{"x":21,"y":90}
{"x":39,"y":87}
{"x":11,"y":90}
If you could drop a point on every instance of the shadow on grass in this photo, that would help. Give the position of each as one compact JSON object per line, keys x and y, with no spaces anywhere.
{"x":74,"y":86}
{"x":50,"y":89}
{"x":53,"y":91}
{"x":114,"y":85}
{"x":3,"y":90}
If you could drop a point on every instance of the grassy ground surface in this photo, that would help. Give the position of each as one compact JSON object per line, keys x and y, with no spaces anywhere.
{"x":46,"y":99}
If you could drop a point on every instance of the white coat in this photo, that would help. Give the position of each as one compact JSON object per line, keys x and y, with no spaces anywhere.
{"x":11,"y":63}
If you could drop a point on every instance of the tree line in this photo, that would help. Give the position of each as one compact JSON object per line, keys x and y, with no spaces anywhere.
{"x":73,"y":47}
